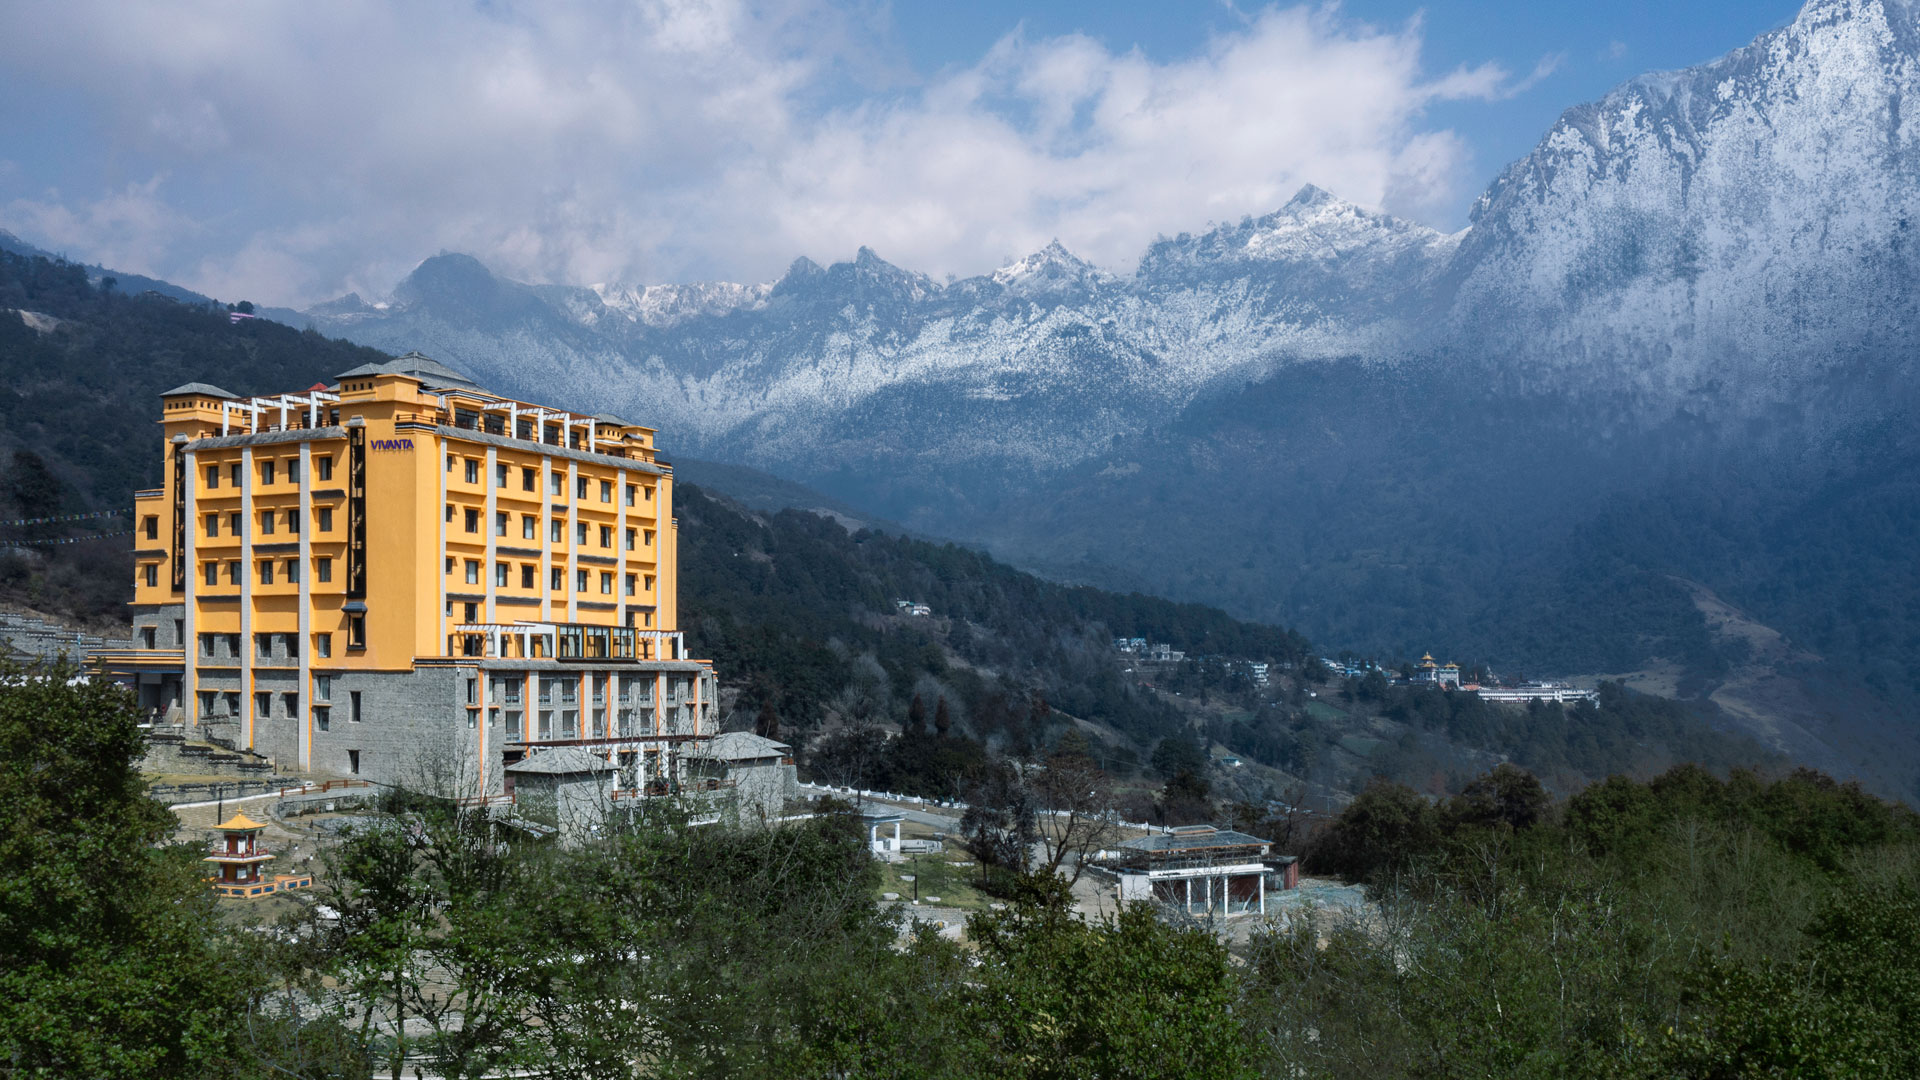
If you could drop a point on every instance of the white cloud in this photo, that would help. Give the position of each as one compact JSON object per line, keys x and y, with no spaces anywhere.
{"x":318,"y":147}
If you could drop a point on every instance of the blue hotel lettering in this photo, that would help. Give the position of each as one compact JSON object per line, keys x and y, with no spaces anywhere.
{"x":393,"y":444}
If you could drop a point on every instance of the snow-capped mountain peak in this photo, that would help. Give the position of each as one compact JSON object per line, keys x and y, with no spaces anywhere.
{"x":1051,"y":268}
{"x":668,"y":305}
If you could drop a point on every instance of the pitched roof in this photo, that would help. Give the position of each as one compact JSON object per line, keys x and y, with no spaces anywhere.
{"x":198,"y":389}
{"x":561,"y":761}
{"x":239,"y":823}
{"x":744,"y":746}
{"x":429,"y":371}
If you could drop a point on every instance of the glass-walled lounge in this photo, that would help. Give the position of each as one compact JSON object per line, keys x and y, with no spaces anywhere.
{"x":562,"y":641}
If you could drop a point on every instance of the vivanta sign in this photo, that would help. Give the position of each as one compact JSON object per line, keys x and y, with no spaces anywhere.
{"x":391,"y":444}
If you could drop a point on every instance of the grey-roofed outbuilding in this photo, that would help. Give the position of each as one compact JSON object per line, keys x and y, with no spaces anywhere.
{"x":563,"y":786}
{"x":760,"y":769}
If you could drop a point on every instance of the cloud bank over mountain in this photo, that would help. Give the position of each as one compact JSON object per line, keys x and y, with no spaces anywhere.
{"x":290,"y":153}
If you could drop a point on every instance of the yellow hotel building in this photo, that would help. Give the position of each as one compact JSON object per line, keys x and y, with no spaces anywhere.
{"x":406,"y":578}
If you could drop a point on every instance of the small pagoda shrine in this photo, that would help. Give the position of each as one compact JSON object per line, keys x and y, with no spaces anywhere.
{"x":242,"y":862}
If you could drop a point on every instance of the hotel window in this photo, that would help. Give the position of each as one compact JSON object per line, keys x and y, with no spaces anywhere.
{"x":473,"y":690}
{"x":450,"y":564}
{"x":323,"y":468}
{"x":500,"y":519}
{"x":353,"y":706}
{"x":353,"y":761}
{"x":149,"y":637}
{"x":213,"y":477}
{"x":646,"y":493}
{"x":529,"y":479}
{"x":500,"y":472}
{"x":513,"y":723}
{"x":529,"y":527}
{"x":546,"y":691}
{"x":569,"y":723}
{"x":500,"y":571}
{"x":546,"y":723}
{"x":293,"y":522}
{"x":553,"y":435}
{"x":632,"y":584}
{"x":356,"y":631}
{"x":599,"y":724}
{"x":323,"y":568}
{"x":233,"y":702}
{"x":322,"y":718}
{"x":266,"y":571}
{"x":473,"y":571}
{"x":263,"y":646}
{"x":473,"y":520}
{"x":473,"y":719}
{"x":579,"y":581}
{"x":266,"y":471}
{"x":556,"y":483}
{"x":323,"y":646}
{"x":473,"y":471}
{"x":233,"y":650}
{"x":606,"y":536}
{"x":579,"y":487}
{"x":606,"y":491}
{"x":293,"y":477}
{"x":207,"y":698}
{"x":291,"y":642}
{"x":632,"y":491}
{"x":234,"y":470}
{"x":632,"y":535}
{"x":449,"y":512}
{"x":266,"y":522}
{"x":648,"y":583}
{"x":323,"y":517}
{"x":291,"y":703}
{"x":213,"y":524}
{"x":606,"y":582}
{"x":556,"y":530}
{"x":293,"y":571}
{"x":580,"y":533}
{"x":471,"y":613}
{"x":449,"y":462}
{"x":263,"y":705}
{"x":323,"y":688}
{"x":527,"y":571}
{"x":153,"y":574}
{"x":646,"y":537}
{"x":152,"y":526}
{"x":558,"y":579}
{"x":233,"y":573}
{"x":233,"y":524}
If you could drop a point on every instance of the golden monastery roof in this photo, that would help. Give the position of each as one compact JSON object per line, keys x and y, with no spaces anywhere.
{"x":239,"y":823}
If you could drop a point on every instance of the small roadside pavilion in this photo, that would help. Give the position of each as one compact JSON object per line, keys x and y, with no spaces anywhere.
{"x":1198,"y":869}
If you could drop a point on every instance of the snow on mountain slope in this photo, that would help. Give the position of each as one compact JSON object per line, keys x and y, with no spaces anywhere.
{"x":1739,"y":227}
{"x":767,"y":371}
{"x":1731,"y":224}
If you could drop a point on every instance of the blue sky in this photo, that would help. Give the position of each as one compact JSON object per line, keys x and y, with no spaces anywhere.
{"x":287,"y":153}
{"x":1595,"y":46}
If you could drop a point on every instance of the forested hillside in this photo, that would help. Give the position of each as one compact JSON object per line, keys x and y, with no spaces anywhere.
{"x":798,"y":613}
{"x":80,"y":384}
